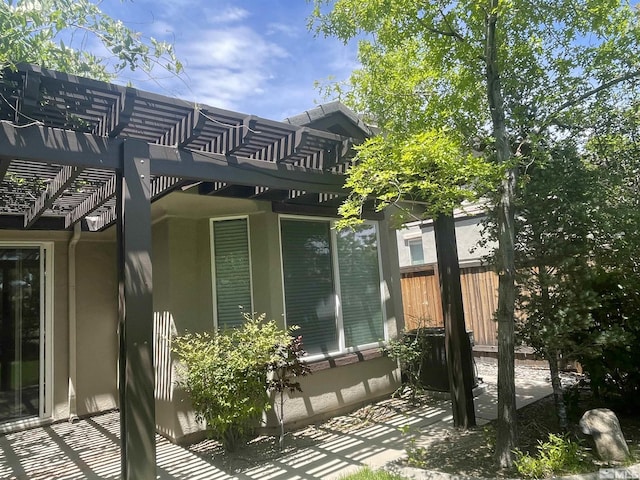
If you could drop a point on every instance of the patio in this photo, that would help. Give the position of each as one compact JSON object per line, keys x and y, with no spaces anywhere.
{"x":89,"y":449}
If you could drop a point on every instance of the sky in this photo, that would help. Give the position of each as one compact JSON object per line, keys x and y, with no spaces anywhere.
{"x":251,"y":56}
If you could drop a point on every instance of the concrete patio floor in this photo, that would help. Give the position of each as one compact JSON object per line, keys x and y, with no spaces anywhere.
{"x":89,"y":449}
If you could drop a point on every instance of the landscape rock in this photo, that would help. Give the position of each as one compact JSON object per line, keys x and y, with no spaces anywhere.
{"x":603,"y":425}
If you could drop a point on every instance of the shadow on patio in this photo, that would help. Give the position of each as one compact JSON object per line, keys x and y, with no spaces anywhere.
{"x":89,"y":449}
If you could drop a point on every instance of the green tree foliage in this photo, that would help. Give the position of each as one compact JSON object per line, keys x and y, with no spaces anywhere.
{"x":555,"y":244}
{"x":496,"y":75}
{"x":577,"y":246}
{"x":56,"y":33}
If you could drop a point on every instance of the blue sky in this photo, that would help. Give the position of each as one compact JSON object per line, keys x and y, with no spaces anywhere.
{"x":252,"y":56}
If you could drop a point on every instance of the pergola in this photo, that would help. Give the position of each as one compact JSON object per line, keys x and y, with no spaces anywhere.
{"x":78,"y":151}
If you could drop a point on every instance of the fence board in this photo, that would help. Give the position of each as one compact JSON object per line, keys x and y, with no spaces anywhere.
{"x":421,"y":300}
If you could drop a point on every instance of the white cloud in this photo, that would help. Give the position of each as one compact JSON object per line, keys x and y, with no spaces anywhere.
{"x":287,"y":30}
{"x":227,"y":65}
{"x":226,"y":15}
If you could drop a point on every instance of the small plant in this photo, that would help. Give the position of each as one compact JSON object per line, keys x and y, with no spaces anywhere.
{"x":558,"y":455}
{"x":408,"y":351}
{"x":285,"y":367}
{"x":415,"y":453}
{"x":225,"y":374}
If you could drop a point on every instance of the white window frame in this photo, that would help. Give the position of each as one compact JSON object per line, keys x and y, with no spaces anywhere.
{"x":413,"y":241}
{"x":45,"y":407}
{"x":214,"y":293}
{"x":342,"y":348}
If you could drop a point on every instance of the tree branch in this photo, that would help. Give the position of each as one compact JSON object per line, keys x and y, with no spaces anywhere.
{"x":590,"y":93}
{"x":451,"y":33}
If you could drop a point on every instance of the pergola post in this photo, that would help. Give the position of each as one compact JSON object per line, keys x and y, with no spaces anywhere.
{"x":457,"y":345}
{"x":136,"y":372}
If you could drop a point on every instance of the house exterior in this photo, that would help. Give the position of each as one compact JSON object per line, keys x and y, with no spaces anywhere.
{"x":128,"y":217}
{"x":420,"y":279}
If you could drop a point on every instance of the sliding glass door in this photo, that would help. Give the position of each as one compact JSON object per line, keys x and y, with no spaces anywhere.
{"x":21,"y":332}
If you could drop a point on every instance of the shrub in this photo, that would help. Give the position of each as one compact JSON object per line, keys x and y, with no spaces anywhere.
{"x":558,"y":455}
{"x":408,"y":350}
{"x":611,"y":358}
{"x":225,"y":374}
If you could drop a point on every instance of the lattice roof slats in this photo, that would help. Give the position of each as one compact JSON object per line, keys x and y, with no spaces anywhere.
{"x":80,"y":125}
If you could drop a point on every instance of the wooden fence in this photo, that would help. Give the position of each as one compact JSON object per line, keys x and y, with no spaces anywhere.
{"x":422,"y":306}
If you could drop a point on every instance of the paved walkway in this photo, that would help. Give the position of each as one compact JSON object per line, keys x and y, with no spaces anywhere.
{"x":89,"y":449}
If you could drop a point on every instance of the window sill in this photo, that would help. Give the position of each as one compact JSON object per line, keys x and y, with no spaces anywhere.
{"x":345,"y":359}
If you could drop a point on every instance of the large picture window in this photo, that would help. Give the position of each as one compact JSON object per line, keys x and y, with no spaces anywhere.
{"x":331,"y":284}
{"x":231,"y":271}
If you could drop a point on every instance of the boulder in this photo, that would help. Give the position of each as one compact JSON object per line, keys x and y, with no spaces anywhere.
{"x":603,"y":425}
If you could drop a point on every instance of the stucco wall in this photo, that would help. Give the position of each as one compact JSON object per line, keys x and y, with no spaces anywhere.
{"x":96,"y":324}
{"x":468,"y":233}
{"x":183,"y":301}
{"x":334,"y":391}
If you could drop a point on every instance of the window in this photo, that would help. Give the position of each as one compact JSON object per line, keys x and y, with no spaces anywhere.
{"x":416,"y":251}
{"x":231,"y":271}
{"x":331,"y":284}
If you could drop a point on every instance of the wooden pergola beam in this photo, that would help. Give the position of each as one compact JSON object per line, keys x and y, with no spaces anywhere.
{"x":206,"y":166}
{"x":98,"y":197}
{"x":65,"y":177}
{"x":118,"y":116}
{"x":53,"y":145}
{"x":185,"y":130}
{"x":234,"y":138}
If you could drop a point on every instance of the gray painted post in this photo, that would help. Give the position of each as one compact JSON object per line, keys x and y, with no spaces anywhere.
{"x":137,"y":407}
{"x":457,"y":346}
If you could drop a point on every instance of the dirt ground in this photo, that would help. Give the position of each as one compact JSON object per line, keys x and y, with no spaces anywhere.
{"x":471,"y":452}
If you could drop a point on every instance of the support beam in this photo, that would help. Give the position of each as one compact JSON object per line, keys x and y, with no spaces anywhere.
{"x":53,"y":145}
{"x":137,"y":407}
{"x":225,"y":190}
{"x":271,"y":194}
{"x":457,"y":345}
{"x":65,"y":177}
{"x":207,"y":166}
{"x":98,"y":197}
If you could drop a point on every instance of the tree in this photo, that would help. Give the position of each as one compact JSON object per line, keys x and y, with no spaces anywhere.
{"x":36,"y":32}
{"x":556,"y":229}
{"x":495,"y":75}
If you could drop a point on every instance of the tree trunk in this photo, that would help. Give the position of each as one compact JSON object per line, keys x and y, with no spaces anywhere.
{"x":507,"y":432}
{"x":457,"y":345}
{"x":553,"y":357}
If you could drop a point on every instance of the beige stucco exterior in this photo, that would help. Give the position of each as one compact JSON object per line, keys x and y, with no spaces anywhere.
{"x":183,"y":301}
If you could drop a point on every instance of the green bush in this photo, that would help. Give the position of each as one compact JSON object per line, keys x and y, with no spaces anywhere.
{"x":558,"y":455}
{"x":611,"y":357}
{"x":225,"y":374}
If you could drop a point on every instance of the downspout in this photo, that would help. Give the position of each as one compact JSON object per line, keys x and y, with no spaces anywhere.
{"x":73,"y":409}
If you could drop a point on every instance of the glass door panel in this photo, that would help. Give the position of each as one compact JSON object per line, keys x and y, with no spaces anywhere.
{"x":20,"y":331}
